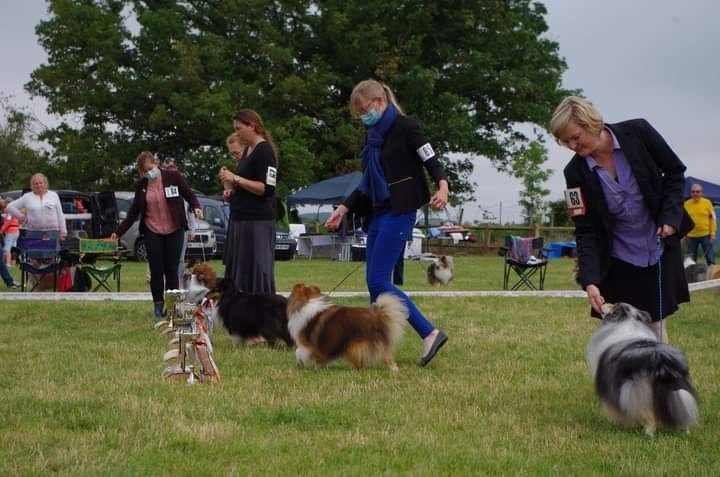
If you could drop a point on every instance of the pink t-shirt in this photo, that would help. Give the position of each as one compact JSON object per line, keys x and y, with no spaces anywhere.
{"x":157,"y":213}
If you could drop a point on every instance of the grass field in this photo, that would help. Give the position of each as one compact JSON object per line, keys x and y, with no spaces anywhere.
{"x":81,"y":393}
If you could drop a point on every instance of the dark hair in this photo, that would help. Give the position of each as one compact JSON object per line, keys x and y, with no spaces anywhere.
{"x":252,"y":118}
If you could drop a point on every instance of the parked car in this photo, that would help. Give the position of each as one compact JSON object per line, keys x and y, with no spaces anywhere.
{"x":285,"y":246}
{"x":217,"y":214}
{"x":202,"y":245}
{"x":87,"y":214}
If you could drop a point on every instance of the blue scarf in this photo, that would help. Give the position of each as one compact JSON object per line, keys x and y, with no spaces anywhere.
{"x":373,"y":183}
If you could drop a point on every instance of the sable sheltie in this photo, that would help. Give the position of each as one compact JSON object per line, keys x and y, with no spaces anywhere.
{"x":440,"y":271}
{"x":324,"y":332}
{"x":248,"y":315}
{"x":639,"y":380}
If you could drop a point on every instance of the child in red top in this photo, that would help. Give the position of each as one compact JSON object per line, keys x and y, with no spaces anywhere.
{"x":10,"y":229}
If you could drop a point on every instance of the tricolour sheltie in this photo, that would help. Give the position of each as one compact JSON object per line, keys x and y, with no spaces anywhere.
{"x":639,"y":380}
{"x":247,"y":315}
{"x":324,"y":332}
{"x":440,"y":271}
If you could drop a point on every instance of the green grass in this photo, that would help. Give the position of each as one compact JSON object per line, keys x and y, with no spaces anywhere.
{"x":471,"y":273}
{"x":81,"y":393}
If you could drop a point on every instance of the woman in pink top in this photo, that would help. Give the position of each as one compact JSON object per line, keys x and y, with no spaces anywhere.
{"x":158,"y":204}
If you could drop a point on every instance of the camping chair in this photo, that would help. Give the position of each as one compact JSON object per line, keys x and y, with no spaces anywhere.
{"x":37,"y":258}
{"x":93,"y":250}
{"x":525,"y":257}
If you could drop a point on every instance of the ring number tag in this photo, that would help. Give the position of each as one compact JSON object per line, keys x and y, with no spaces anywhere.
{"x":574,"y":201}
{"x":425,"y":152}
{"x":271,"y":176}
{"x":172,"y":191}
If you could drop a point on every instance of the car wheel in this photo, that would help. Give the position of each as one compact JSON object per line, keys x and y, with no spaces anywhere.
{"x":140,"y":251}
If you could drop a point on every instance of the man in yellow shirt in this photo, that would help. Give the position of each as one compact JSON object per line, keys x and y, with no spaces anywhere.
{"x":703,"y":234}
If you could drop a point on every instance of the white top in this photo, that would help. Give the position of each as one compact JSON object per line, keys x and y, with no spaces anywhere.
{"x":42,"y":213}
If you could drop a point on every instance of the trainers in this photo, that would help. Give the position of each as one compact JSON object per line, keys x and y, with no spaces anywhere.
{"x":14,"y":286}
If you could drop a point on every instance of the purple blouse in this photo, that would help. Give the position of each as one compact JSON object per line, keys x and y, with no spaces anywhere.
{"x":634,"y":230}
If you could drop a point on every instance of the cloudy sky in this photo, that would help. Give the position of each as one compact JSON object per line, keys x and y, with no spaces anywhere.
{"x":657,"y":59}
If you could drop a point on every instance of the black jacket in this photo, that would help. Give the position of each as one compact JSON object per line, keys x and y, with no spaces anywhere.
{"x":176,"y":204}
{"x":660,"y":177}
{"x":402,"y":161}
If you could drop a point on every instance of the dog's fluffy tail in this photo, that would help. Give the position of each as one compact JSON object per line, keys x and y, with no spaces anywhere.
{"x":674,"y":396}
{"x":394,"y":313}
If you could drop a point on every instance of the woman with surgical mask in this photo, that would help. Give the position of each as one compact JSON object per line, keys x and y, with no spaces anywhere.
{"x":394,"y":160}
{"x":159,"y":206}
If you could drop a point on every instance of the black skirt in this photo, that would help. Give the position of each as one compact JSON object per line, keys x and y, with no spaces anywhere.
{"x":250,"y":255}
{"x":639,"y":286}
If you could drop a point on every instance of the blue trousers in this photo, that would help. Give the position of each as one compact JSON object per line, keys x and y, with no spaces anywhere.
{"x":386,"y":239}
{"x":707,"y":245}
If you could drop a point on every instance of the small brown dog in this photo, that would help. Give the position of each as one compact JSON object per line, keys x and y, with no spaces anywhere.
{"x":440,"y":272}
{"x":324,"y":332}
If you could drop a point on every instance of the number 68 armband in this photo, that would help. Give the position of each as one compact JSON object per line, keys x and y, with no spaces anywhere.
{"x":575,"y":202}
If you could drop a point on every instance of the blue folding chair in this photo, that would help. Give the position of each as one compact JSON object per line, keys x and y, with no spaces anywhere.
{"x":38,"y":257}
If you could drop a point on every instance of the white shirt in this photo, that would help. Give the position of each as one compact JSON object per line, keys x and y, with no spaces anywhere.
{"x":42,"y":213}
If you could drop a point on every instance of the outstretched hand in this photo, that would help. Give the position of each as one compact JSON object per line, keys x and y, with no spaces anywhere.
{"x":333,"y":222}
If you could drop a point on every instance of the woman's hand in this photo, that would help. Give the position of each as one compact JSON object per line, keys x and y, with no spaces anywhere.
{"x":665,"y":231}
{"x":113,"y":236}
{"x":440,"y":199}
{"x":333,"y":222}
{"x":226,"y":175}
{"x":595,"y":298}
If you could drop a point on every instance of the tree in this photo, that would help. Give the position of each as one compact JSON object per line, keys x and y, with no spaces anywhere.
{"x":528,"y":168}
{"x":557,"y":210}
{"x":19,"y":159}
{"x":167,"y":75}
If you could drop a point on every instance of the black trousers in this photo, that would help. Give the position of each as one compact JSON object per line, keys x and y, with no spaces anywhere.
{"x":163,"y":253}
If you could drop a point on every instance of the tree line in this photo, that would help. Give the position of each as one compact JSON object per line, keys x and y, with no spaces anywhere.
{"x":167,"y":76}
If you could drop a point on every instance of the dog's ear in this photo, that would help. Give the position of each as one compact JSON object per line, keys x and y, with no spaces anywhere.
{"x":643,"y":316}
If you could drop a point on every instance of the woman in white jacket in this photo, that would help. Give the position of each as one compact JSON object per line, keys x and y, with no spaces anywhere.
{"x":43,"y":216}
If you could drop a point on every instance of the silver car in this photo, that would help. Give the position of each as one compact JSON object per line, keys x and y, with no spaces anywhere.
{"x":202,"y":245}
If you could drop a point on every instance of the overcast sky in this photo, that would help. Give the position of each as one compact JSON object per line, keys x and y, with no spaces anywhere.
{"x":657,"y":59}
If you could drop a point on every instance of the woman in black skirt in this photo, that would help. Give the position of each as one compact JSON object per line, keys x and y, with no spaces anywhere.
{"x":250,"y":251}
{"x":625,"y":188}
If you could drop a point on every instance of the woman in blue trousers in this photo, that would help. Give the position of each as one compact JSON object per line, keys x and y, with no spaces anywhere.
{"x":393,"y":187}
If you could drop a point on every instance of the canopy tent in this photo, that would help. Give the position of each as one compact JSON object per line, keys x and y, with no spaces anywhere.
{"x":710,"y":191}
{"x":330,"y":191}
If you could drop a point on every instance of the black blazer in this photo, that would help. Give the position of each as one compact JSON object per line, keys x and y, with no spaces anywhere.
{"x":176,"y":204}
{"x":403,"y":168}
{"x":660,"y":177}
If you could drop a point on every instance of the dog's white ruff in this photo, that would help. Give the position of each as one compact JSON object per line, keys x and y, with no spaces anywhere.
{"x":444,"y":275}
{"x":298,"y":321}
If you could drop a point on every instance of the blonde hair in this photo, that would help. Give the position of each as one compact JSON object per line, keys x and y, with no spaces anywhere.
{"x":41,"y":175}
{"x":574,"y":109}
{"x":371,"y":89}
{"x":232,"y":139}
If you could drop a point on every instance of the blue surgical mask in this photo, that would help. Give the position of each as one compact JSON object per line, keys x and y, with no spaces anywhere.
{"x":152,"y":174}
{"x":370,"y":118}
